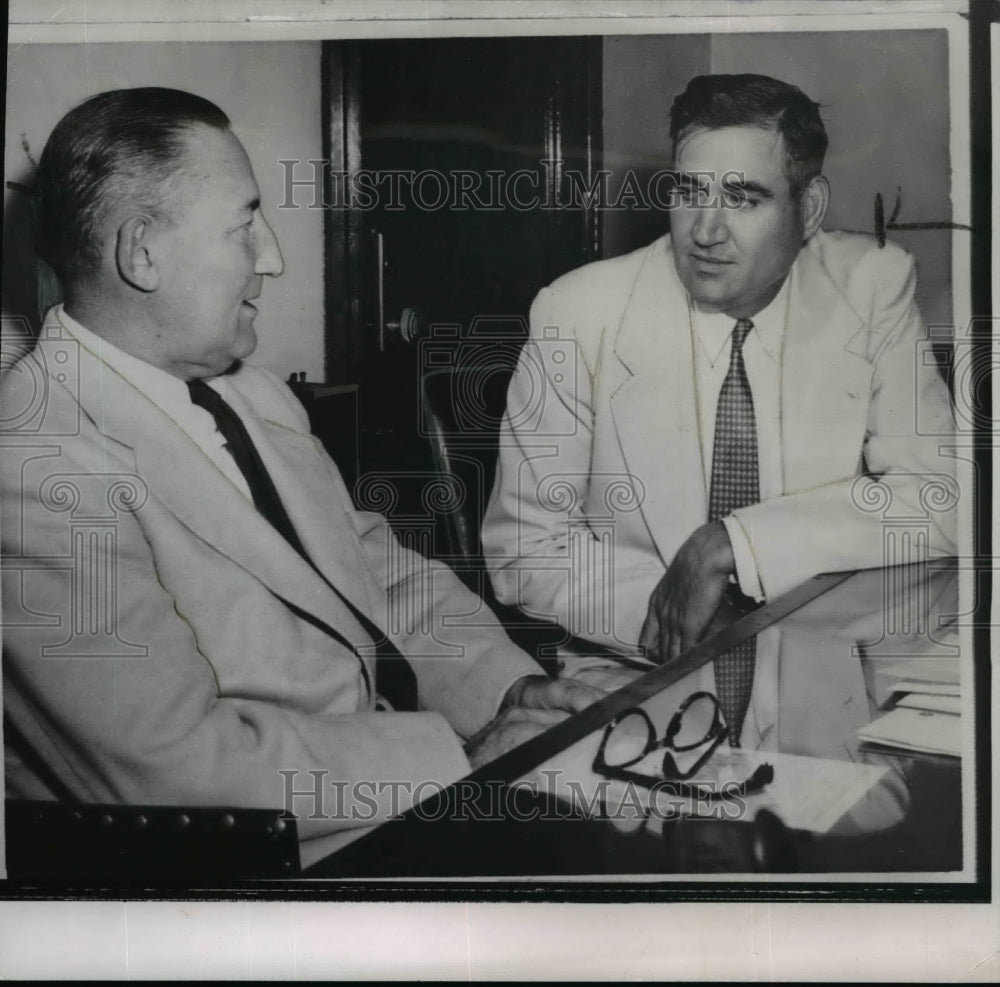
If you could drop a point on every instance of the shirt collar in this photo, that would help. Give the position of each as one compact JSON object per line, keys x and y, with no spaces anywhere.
{"x":713,"y":329}
{"x":161,"y":388}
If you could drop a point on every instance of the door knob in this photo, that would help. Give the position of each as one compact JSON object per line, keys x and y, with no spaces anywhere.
{"x":409,"y":325}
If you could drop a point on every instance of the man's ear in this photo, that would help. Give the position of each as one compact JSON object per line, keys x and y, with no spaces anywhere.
{"x":132,"y":255}
{"x":814,"y":202}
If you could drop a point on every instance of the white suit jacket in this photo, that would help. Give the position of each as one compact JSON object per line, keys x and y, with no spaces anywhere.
{"x":161,"y":639}
{"x":600,"y":476}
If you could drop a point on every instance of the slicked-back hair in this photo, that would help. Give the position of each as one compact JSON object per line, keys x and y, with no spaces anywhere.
{"x":124,"y":144}
{"x":715,"y":101}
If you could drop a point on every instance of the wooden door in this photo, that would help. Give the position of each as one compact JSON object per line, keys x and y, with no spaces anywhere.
{"x":458,"y":160}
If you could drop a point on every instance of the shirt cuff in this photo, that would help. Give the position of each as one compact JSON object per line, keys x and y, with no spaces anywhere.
{"x":746,"y":565}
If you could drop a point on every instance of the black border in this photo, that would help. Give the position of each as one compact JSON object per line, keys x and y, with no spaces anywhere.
{"x":982,"y":13}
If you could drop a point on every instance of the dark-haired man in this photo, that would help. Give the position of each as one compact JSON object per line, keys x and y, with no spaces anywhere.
{"x":191,"y":603}
{"x":735,"y":379}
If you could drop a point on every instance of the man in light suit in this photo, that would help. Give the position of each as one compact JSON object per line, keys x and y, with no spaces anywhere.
{"x":625,"y":394}
{"x":169,"y":637}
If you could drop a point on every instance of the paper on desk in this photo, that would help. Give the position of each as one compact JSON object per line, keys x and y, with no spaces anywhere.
{"x":927,"y":688}
{"x":938,"y":703}
{"x":916,"y":730}
{"x":942,"y":670}
{"x":939,"y":675}
{"x":808,"y":793}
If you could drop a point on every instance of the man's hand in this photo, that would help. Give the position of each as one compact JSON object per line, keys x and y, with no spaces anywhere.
{"x":688,"y":595}
{"x":532,"y":705}
{"x":542,"y":692}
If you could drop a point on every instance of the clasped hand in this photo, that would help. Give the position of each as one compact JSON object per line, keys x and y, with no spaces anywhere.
{"x":687,"y":597}
{"x":532,"y":704}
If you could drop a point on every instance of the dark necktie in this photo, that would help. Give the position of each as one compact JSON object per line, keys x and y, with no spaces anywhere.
{"x":735,"y":484}
{"x":396,"y":681}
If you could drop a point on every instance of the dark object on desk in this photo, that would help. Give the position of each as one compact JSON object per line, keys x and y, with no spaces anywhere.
{"x":719,"y":846}
{"x":55,"y":841}
{"x":928,"y":839}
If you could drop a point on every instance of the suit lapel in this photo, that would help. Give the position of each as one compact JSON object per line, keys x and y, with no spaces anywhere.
{"x":826,"y":380}
{"x":654,"y":406}
{"x":301,"y":475}
{"x":194,"y":490}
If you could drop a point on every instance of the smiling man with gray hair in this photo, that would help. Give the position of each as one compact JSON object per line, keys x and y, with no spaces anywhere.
{"x":194,"y":612}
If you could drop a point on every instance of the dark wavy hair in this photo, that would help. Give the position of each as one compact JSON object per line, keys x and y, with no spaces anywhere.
{"x":123,"y":144}
{"x":715,"y":101}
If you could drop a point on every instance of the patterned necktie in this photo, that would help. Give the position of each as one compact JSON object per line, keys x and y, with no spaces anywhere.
{"x":735,"y":484}
{"x":396,"y":681}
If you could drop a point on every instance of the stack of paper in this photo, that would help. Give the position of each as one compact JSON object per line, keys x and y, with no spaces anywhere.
{"x":921,"y":674}
{"x":916,"y":730}
{"x":925,"y":700}
{"x":929,"y":700}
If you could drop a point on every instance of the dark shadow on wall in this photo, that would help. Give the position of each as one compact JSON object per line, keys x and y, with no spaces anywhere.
{"x":30,"y":287}
{"x":20,"y":271}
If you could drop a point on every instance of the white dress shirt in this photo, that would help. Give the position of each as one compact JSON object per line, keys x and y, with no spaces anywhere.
{"x":168,"y":393}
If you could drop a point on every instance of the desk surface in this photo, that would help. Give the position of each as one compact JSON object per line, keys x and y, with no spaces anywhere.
{"x":542,"y":811}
